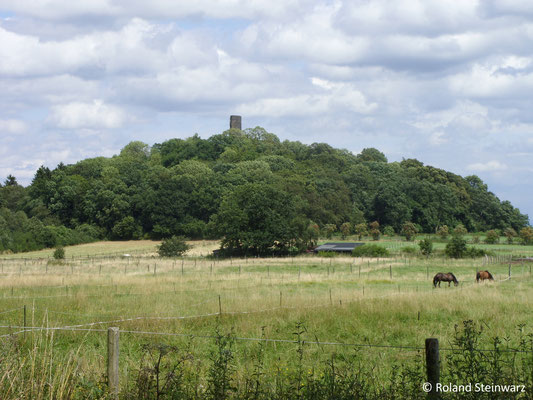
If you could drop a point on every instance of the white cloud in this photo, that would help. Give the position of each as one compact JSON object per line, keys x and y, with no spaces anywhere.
{"x":87,"y":115}
{"x":449,"y":84}
{"x":13,"y":126}
{"x":66,"y":9}
{"x":437,"y":138}
{"x":487,"y":166}
{"x":332,"y":97}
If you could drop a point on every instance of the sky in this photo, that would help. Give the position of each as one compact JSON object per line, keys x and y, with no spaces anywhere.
{"x":447,"y":82}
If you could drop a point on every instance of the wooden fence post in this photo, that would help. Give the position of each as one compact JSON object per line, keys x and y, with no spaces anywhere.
{"x":24,"y":320}
{"x":432,"y":368}
{"x":112,"y":360}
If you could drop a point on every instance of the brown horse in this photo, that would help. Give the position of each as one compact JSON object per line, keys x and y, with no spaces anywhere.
{"x":449,"y":277}
{"x":482,"y":275}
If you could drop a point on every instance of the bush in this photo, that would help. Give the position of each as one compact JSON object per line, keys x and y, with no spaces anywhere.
{"x":456,"y":248}
{"x":370,"y":250}
{"x":388,"y":231}
{"x":409,"y":230}
{"x":173,"y":247}
{"x":474,"y":252}
{"x":408,"y":250}
{"x":59,"y":253}
{"x":492,"y":237}
{"x":426,"y":246}
{"x":443,"y":232}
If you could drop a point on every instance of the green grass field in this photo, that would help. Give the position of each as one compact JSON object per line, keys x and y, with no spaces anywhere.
{"x":385,"y":302}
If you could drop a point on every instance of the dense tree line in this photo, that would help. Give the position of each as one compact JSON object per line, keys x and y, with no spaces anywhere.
{"x":221,"y":186}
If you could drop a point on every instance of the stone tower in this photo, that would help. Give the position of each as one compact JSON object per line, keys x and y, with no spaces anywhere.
{"x":235,"y":122}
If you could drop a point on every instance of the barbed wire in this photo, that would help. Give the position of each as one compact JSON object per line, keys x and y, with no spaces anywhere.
{"x":254,"y":339}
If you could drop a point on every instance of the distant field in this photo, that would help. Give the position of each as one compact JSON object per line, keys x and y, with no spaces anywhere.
{"x":115,"y":248}
{"x":388,"y":302}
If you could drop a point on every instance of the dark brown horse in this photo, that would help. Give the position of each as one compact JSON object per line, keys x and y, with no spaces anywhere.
{"x":449,"y":277}
{"x":482,"y":275}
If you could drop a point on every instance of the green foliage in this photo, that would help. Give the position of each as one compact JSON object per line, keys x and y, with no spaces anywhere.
{"x":460,"y":230}
{"x":526,"y":235}
{"x":492,"y":237}
{"x":409,"y":230}
{"x":389,"y":231}
{"x":178,"y":187}
{"x":345,"y":229}
{"x":443,"y":232}
{"x":59,"y":253}
{"x":173,"y":247}
{"x":510,"y":234}
{"x":426,"y":246}
{"x":456,"y":248}
{"x":374,"y":230}
{"x":370,"y":250}
{"x":361,"y":230}
{"x":329,"y":230}
{"x":474,"y":252}
{"x":126,"y":229}
{"x":261,"y":219}
{"x":408,"y":250}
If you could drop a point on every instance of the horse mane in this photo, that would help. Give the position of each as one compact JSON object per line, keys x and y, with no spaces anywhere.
{"x":453,"y":276}
{"x":490,"y":275}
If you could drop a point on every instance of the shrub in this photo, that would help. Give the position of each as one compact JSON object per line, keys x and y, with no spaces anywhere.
{"x":426,"y":246}
{"x":409,"y":230}
{"x":474,"y":252}
{"x":361,"y":230}
{"x":370,"y":250}
{"x":59,"y":253}
{"x":509,"y":233}
{"x":460,"y":230}
{"x":345,"y":229}
{"x":492,"y":237}
{"x":456,"y":248}
{"x":330,"y":229}
{"x":526,"y":234}
{"x":173,"y":247}
{"x":408,"y":250}
{"x":443,"y":232}
{"x":388,"y":231}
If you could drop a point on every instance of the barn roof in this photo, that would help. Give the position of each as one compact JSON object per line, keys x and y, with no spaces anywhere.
{"x":339,"y":247}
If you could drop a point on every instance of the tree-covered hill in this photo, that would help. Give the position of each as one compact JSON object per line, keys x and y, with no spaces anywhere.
{"x":204,"y":188}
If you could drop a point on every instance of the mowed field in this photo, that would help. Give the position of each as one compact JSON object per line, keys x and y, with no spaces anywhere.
{"x":382,"y":308}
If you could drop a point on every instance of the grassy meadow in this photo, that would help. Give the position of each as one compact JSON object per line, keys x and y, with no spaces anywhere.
{"x":177,"y":303}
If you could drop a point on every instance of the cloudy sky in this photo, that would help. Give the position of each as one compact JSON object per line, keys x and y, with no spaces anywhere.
{"x":447,"y":82}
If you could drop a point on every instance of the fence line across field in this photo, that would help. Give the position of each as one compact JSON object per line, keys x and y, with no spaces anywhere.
{"x":255,"y":339}
{"x":349,"y":301}
{"x":185,"y":317}
{"x":168,"y":291}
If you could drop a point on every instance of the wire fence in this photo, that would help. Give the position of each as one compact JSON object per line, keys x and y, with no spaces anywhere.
{"x":254,"y":339}
{"x":83,"y":327}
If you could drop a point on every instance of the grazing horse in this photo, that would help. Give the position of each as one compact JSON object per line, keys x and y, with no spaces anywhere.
{"x":482,"y":275}
{"x":449,"y":277}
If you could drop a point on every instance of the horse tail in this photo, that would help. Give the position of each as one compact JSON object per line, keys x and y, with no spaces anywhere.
{"x":435,"y":280}
{"x":478,"y":276}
